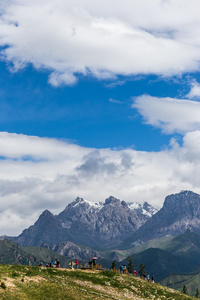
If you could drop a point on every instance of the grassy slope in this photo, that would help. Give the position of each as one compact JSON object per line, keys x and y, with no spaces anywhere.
{"x":24,"y":282}
{"x":192,"y":282}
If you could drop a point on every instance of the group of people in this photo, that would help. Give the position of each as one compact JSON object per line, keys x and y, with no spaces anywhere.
{"x":123,"y":270}
{"x":92,"y":262}
{"x":54,"y":264}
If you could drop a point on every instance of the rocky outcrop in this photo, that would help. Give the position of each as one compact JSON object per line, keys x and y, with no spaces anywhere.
{"x":73,"y":251}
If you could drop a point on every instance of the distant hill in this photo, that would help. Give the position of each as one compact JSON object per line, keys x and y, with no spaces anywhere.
{"x":12,"y":253}
{"x":119,"y":255}
{"x":158,"y":263}
{"x":186,"y":247}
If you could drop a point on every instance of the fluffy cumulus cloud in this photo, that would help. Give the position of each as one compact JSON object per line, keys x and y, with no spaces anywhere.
{"x":102,"y":38}
{"x":171,"y":115}
{"x":41,"y":173}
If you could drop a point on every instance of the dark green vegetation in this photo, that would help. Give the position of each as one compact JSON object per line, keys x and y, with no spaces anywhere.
{"x":26,"y":282}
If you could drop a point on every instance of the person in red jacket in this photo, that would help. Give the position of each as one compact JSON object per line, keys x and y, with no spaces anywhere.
{"x":77,"y":263}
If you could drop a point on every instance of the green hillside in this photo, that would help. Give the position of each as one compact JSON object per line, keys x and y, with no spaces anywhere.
{"x":124,"y":253}
{"x":26,"y":282}
{"x":186,"y":247}
{"x":192,"y":282}
{"x":12,"y":253}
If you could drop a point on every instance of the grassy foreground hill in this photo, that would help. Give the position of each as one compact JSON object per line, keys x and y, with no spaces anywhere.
{"x":28,"y":282}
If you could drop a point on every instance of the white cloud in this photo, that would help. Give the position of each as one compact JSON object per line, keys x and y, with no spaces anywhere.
{"x":115,"y":101}
{"x":195,"y":90}
{"x":102,"y":38}
{"x":56,"y":172}
{"x":57,"y":79}
{"x":171,"y":115}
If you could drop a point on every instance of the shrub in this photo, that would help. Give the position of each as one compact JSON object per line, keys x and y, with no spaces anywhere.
{"x":15,"y":274}
{"x":3,"y":286}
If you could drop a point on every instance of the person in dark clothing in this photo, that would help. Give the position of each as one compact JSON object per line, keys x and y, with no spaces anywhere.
{"x":94,"y":262}
{"x":90,"y":263}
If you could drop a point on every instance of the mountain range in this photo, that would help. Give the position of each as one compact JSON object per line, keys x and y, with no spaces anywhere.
{"x":114,"y":223}
{"x":97,"y":225}
{"x":166,"y":241}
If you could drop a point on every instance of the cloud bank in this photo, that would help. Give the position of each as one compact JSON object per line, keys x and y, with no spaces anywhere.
{"x":42,"y":173}
{"x":103,"y":39}
{"x":169,"y":114}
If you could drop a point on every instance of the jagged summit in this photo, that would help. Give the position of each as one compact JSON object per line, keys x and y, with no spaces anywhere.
{"x":145,"y":209}
{"x":112,"y":200}
{"x":80,"y":201}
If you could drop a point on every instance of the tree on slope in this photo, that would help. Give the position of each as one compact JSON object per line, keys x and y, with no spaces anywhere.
{"x":184,"y":289}
{"x":130,"y":265}
{"x":141,"y":270}
{"x":113,"y":265}
{"x":197,"y":293}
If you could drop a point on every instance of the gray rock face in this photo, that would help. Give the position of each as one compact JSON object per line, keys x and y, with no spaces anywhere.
{"x":180,"y":212}
{"x":88,"y":223}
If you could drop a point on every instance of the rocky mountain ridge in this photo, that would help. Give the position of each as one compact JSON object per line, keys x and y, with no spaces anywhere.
{"x":114,"y":223}
{"x":88,"y":223}
{"x":180,"y":212}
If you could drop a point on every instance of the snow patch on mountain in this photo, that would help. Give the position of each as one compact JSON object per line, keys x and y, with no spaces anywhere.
{"x":79,"y":201}
{"x":145,"y":209}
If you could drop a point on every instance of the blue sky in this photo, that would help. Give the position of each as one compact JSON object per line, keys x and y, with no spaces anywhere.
{"x":96,"y":99}
{"x":91,"y":113}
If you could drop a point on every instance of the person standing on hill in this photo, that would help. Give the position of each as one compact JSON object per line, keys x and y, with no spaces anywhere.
{"x":77,"y":263}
